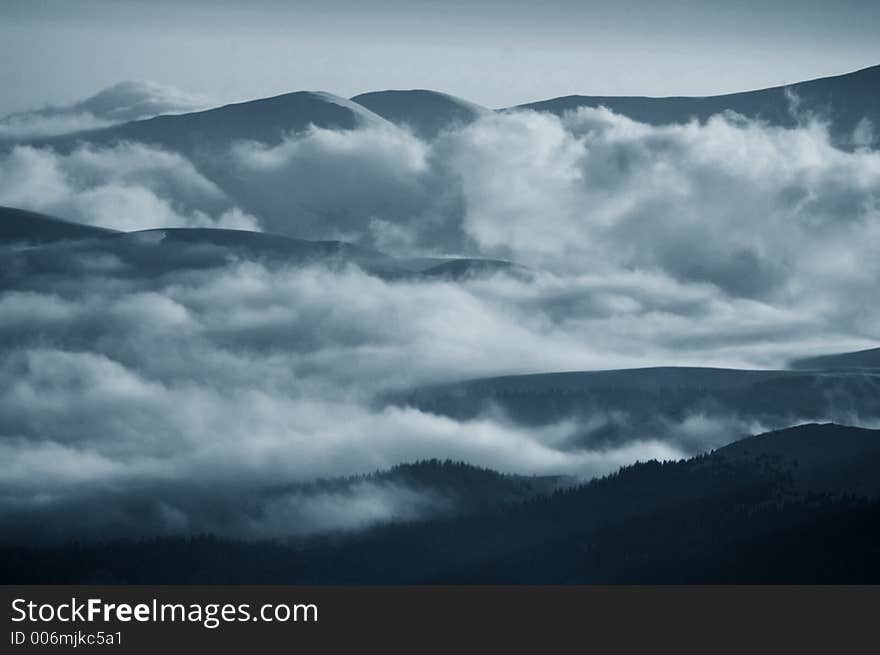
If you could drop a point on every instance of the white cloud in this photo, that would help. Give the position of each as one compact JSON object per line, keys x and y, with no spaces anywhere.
{"x":729,"y":243}
{"x":122,"y":102}
{"x":18,"y":127}
{"x":751,"y":208}
{"x":332,"y":183}
{"x":129,"y":186}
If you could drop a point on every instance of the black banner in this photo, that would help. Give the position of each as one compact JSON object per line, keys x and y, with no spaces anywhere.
{"x":150,"y":619}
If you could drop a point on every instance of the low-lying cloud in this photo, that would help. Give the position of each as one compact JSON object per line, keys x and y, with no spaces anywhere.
{"x":175,"y":402}
{"x":126,"y":187}
{"x":176,"y":399}
{"x":122,"y":102}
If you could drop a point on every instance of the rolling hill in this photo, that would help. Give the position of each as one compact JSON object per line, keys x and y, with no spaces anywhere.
{"x":716,"y":518}
{"x":266,"y":120}
{"x":851,"y":102}
{"x":845,"y":100}
{"x":861,"y":359}
{"x":18,"y":226}
{"x":64,"y":249}
{"x":451,"y":488}
{"x":620,"y":406}
{"x":813,"y":445}
{"x":426,"y":113}
{"x":299,"y":198}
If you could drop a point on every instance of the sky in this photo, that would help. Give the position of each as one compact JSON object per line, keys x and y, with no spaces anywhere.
{"x":493,"y":52}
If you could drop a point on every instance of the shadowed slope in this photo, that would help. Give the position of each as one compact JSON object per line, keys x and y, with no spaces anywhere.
{"x":21,"y":226}
{"x":266,"y":120}
{"x":63,"y":249}
{"x":709,"y":519}
{"x":426,"y":113}
{"x":861,"y":359}
{"x":844,"y":99}
{"x":694,"y":407}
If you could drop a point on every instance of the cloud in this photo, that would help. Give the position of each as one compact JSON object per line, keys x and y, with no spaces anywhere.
{"x":129,"y":186}
{"x":177,"y":403}
{"x":330,"y":183}
{"x":751,"y":208}
{"x":136,"y":100}
{"x":761,"y":212}
{"x":35,"y":125}
{"x":120,"y":103}
{"x":204,"y":388}
{"x":176,"y":399}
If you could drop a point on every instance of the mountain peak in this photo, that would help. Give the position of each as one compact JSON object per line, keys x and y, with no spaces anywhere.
{"x":427,"y":113}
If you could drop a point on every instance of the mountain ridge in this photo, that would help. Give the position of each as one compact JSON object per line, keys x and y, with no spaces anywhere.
{"x":414,"y":106}
{"x":58,"y":242}
{"x":859,"y":359}
{"x":428,"y":113}
{"x":845,"y":100}
{"x":710,"y":518}
{"x":29,"y":227}
{"x":266,"y":120}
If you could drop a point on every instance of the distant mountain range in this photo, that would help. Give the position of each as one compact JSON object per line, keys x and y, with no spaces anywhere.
{"x":843,"y":100}
{"x":619,"y":406}
{"x":266,"y":120}
{"x":848,"y":102}
{"x":799,"y":505}
{"x":39,"y":245}
{"x":844,"y":387}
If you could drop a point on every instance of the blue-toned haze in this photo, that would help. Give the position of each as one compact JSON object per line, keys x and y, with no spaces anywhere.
{"x":293,"y":287}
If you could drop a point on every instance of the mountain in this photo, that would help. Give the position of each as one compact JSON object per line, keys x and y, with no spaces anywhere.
{"x":460,"y":268}
{"x":298,"y":193}
{"x":618,"y":406}
{"x":450,"y":488}
{"x":18,"y":226}
{"x":847,"y":100}
{"x":855,"y":360}
{"x":164,"y":250}
{"x":722,"y":517}
{"x":818,"y":457}
{"x":156,"y":252}
{"x":266,"y":120}
{"x":205,"y":138}
{"x":823,"y":445}
{"x":64,"y":249}
{"x":426,"y":113}
{"x":851,"y":102}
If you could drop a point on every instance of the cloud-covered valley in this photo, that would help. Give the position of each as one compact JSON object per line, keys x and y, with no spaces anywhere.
{"x":178,"y":400}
